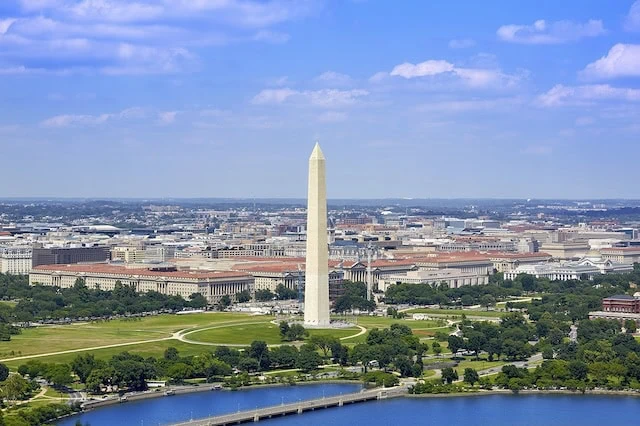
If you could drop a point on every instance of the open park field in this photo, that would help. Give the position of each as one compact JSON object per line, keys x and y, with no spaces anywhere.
{"x":246,"y":333}
{"x":190,"y":334}
{"x":47,"y":339}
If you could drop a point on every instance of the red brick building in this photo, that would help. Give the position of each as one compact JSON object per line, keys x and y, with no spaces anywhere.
{"x":621,"y":303}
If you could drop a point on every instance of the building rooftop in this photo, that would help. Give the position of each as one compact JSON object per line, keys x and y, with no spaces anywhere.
{"x":103,"y":268}
{"x":620,"y":297}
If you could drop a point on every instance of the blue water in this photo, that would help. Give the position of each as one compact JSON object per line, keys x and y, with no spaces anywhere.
{"x":171,"y":409}
{"x":490,"y":410}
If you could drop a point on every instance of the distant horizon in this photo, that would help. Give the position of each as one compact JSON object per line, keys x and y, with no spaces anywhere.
{"x":250,"y":199}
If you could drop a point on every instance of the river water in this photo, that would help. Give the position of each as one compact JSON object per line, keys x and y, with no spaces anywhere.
{"x":490,"y":410}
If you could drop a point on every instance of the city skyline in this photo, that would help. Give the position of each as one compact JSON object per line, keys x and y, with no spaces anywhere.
{"x":164,"y":99}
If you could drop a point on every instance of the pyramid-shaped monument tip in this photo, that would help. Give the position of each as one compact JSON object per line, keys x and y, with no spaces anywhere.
{"x":317,"y":153}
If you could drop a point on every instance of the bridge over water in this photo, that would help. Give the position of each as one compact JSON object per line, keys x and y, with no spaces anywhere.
{"x":297,"y":407}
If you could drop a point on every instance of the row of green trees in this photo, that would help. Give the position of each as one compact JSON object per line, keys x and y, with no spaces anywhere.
{"x":510,"y":338}
{"x":37,"y":302}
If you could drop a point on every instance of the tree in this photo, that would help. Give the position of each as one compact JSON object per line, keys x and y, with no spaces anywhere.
{"x":4,"y":372}
{"x":284,"y":293}
{"x":284,"y":329}
{"x":323,"y":342}
{"x":243,"y":296}
{"x":83,"y":364}
{"x":578,"y":370}
{"x":471,"y":376}
{"x":171,"y":354}
{"x":59,"y":375}
{"x":179,"y":371}
{"x":555,"y":336}
{"x":630,"y":325}
{"x":225,"y":302}
{"x":455,"y":343}
{"x":197,"y":301}
{"x":467,"y":300}
{"x":449,"y":375}
{"x":260,"y":352}
{"x":292,"y":332}
{"x":339,"y":353}
{"x":308,"y":359}
{"x":264,"y":295}
{"x":475,"y":342}
{"x":487,"y":300}
{"x":437,"y":348}
{"x":15,"y":387}
{"x":284,"y":356}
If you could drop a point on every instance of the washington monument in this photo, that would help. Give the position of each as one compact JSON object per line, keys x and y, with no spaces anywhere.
{"x":316,"y":292}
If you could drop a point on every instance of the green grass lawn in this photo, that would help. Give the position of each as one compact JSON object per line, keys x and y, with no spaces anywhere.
{"x":268,"y":332}
{"x":46,"y":339}
{"x":422,"y":328}
{"x":457,"y":312}
{"x":155,"y":349}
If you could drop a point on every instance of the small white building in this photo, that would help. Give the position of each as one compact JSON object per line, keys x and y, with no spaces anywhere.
{"x":15,"y":260}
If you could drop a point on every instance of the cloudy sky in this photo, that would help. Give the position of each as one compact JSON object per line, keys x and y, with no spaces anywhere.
{"x":225,"y":98}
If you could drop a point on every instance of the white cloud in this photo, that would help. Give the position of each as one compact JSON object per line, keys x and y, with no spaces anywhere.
{"x":462,"y":43}
{"x":379,"y":77}
{"x":472,"y":77}
{"x":561,"y":95}
{"x":430,"y":67}
{"x":543,"y":32}
{"x":167,"y":117}
{"x":334,"y":78}
{"x":72,"y":120}
{"x":464,"y":105}
{"x":69,"y":120}
{"x":622,"y":60}
{"x":326,"y":98}
{"x":632,"y":22}
{"x":5,"y":24}
{"x":273,"y":96}
{"x":279,"y":81}
{"x":90,"y":34}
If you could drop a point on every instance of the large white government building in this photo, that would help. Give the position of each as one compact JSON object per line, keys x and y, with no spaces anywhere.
{"x":166,"y":280}
{"x":565,"y":271}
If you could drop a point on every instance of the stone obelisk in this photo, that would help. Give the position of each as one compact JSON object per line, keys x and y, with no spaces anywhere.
{"x":316,"y":292}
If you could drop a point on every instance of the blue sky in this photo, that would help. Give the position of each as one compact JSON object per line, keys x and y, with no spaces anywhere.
{"x":225,"y":98}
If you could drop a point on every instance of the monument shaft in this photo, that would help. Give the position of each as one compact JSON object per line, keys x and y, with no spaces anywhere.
{"x":316,"y":293}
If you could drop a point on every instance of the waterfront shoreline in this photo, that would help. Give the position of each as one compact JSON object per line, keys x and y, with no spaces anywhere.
{"x":526,"y":392}
{"x":208,"y":387}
